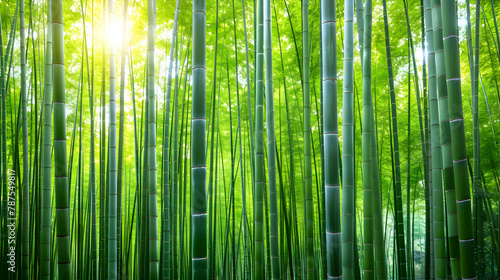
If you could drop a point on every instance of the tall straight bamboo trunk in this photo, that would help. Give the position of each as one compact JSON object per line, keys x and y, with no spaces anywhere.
{"x":372,"y":194}
{"x":175,"y":168}
{"x":92,"y":175}
{"x":112,"y":157}
{"x":152,"y":207}
{"x":46,"y":207}
{"x":102,"y":158}
{"x":212,"y":218}
{"x":423,"y":131}
{"x":25,"y":194}
{"x":61,"y":187}
{"x":119,"y":180}
{"x":166,"y":272}
{"x":459,"y":150}
{"x":440,"y":263}
{"x":259,"y":148}
{"x":243,"y":191}
{"x":198,"y":158}
{"x":476,"y":180}
{"x":309,"y":218}
{"x":271,"y":143}
{"x":330,"y":140}
{"x":348,"y":171}
{"x":401,"y":254}
{"x":447,"y":162}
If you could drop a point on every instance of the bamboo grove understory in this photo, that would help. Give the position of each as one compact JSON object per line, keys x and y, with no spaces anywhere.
{"x":265,"y":139}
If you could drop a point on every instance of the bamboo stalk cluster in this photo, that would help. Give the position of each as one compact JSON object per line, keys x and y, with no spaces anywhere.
{"x":169,"y":204}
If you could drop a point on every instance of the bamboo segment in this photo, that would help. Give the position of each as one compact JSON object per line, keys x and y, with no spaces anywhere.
{"x":61,"y":187}
{"x":436,"y":163}
{"x":371,"y":182}
{"x":271,"y":143}
{"x":348,"y":171}
{"x":25,"y":234}
{"x":459,"y":151}
{"x":198,"y":159}
{"x":447,"y":164}
{"x":166,"y":265}
{"x":46,"y":209}
{"x":330,"y":138}
{"x":112,"y":157}
{"x":259,"y":147}
{"x":120,"y":173}
{"x":152,"y":208}
{"x":103,"y":264}
{"x":92,"y":175}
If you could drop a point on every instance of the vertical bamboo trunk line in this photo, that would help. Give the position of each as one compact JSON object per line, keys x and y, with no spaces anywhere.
{"x":459,"y":151}
{"x":330,"y":140}
{"x":324,"y":267}
{"x":152,"y":207}
{"x":259,"y":148}
{"x":232,"y":155}
{"x":112,"y":175}
{"x":296,"y":273}
{"x":93,"y":238}
{"x":25,"y":194}
{"x":367,"y":170}
{"x":271,"y":143}
{"x":477,"y":188}
{"x":419,"y":109}
{"x":102,"y":158}
{"x":137,"y":168}
{"x":360,"y":14}
{"x":400,"y":242}
{"x":61,"y":187}
{"x":144,"y":238}
{"x":447,"y":164}
{"x":371,"y":181}
{"x":249,"y":88}
{"x":440,"y":263}
{"x":119,"y":180}
{"x":212,"y":234}
{"x":348,"y":171}
{"x":308,"y":202}
{"x":175,"y":169}
{"x":166,"y":272}
{"x":46,"y":207}
{"x":198,"y":154}
{"x":243,"y":191}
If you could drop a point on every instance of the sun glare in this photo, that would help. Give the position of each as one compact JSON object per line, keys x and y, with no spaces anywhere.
{"x":115,"y":32}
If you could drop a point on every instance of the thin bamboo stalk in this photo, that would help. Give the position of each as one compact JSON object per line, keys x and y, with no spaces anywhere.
{"x":46,"y":210}
{"x":348,"y":171}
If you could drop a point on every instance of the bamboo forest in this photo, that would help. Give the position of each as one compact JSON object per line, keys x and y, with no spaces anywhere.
{"x":264,"y":139}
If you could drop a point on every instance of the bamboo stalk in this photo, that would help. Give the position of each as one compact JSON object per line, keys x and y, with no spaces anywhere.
{"x":198,"y":158}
